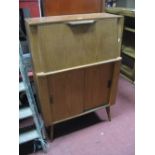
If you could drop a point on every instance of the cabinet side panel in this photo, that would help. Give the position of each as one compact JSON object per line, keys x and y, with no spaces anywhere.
{"x":113,"y":91}
{"x":44,"y":98}
{"x":120,"y":24}
{"x":32,"y":32}
{"x":40,"y":83}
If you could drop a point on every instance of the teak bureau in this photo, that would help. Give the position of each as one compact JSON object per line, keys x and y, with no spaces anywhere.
{"x":76,"y":62}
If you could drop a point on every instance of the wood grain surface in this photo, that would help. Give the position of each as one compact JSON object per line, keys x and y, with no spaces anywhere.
{"x":97,"y":91}
{"x":66,"y":90}
{"x":75,"y":45}
{"x":61,"y":7}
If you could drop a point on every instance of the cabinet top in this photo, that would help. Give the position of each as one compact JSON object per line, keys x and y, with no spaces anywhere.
{"x":65,"y":18}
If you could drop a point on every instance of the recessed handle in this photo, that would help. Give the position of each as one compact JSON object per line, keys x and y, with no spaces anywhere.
{"x":81,"y":22}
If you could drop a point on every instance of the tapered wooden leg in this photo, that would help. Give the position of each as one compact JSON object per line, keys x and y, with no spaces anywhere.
{"x":50,"y":131}
{"x":108,"y":113}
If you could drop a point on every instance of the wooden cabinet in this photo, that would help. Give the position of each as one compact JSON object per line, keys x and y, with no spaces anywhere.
{"x":66,"y":7}
{"x":76,"y":61}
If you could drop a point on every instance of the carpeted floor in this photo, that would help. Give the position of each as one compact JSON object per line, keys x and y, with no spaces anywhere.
{"x":92,"y":134}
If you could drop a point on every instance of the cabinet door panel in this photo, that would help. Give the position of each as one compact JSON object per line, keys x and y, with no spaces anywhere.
{"x":66,"y":93}
{"x":69,"y":46}
{"x":97,"y":91}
